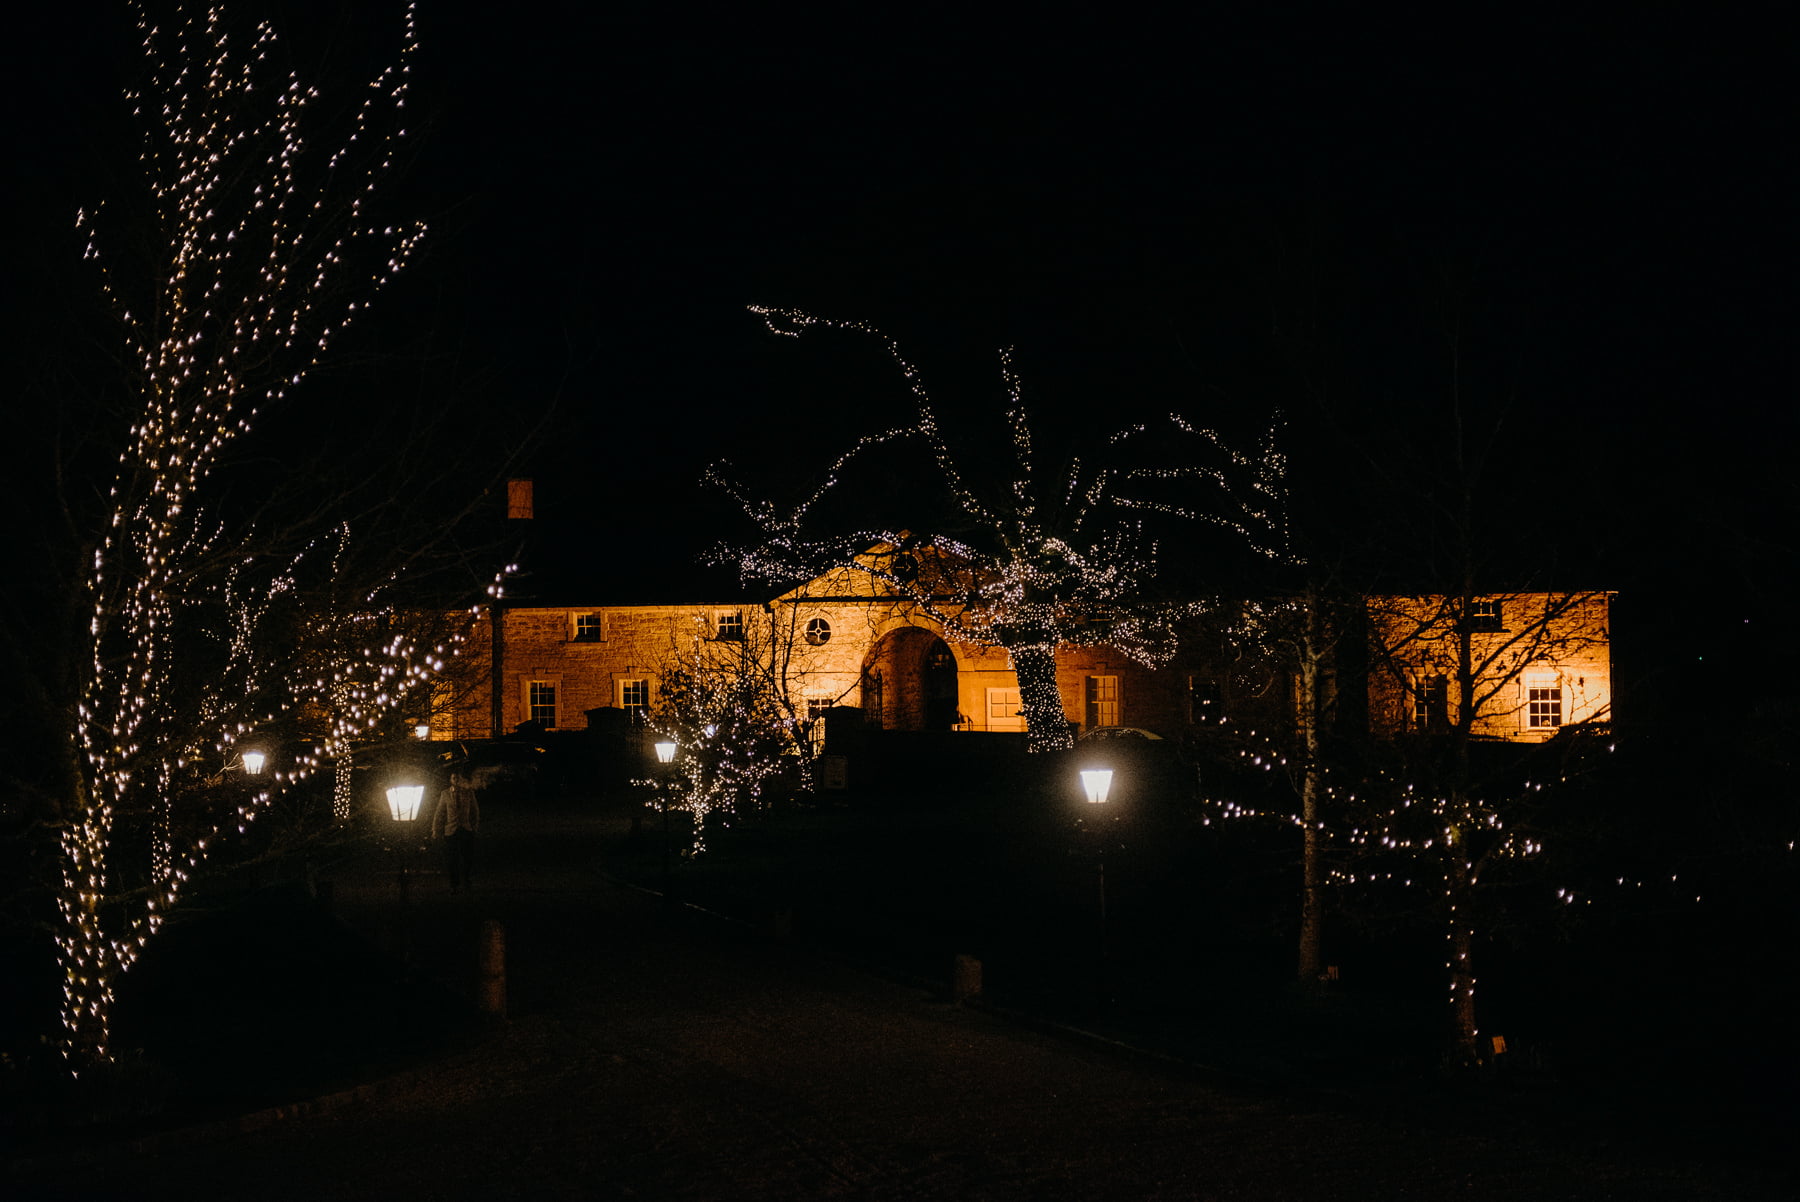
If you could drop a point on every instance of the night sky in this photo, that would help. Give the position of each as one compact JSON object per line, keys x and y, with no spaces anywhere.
{"x":1156,"y":213}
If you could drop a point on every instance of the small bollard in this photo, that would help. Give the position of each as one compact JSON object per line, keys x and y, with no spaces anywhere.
{"x":965,"y":979}
{"x":490,"y":975}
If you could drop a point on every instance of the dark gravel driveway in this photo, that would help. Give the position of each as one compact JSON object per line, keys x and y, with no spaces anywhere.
{"x":677,"y":1056}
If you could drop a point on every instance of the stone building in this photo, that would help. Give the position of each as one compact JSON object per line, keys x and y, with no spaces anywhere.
{"x":1518,"y":666}
{"x":1537,"y":662}
{"x":838,"y":641}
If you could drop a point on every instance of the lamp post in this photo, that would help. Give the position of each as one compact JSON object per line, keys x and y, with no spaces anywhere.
{"x":665,"y":756}
{"x":403,"y":806}
{"x":1096,"y":783}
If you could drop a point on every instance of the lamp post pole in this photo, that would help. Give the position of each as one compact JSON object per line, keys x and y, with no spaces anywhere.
{"x":403,"y":806}
{"x":665,"y":757}
{"x":1096,"y":783}
{"x":403,"y":799}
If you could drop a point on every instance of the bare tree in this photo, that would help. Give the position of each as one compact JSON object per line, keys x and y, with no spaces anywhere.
{"x":1468,"y":686}
{"x":1048,"y":556}
{"x":1302,"y":636}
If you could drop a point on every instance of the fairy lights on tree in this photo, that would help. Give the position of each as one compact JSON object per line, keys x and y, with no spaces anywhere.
{"x":201,"y":628}
{"x":1055,"y":555}
{"x":1440,"y":799}
{"x":731,"y":732}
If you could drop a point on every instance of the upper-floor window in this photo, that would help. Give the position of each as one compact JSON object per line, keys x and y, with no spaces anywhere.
{"x":731,"y":626}
{"x":818,"y":631}
{"x":1486,"y":615}
{"x":588,"y":628}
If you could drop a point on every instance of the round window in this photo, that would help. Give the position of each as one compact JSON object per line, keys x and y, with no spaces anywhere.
{"x":818,"y":631}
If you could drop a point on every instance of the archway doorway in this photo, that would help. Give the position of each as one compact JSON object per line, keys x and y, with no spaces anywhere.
{"x":909,"y":682}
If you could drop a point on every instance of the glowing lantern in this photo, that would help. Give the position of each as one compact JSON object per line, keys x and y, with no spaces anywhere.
{"x":403,"y":801}
{"x":422,"y":730}
{"x":665,"y":752}
{"x":1096,"y":781}
{"x":253,"y":763}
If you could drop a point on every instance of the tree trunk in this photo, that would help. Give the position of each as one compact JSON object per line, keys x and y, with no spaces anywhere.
{"x":85,"y":953}
{"x":1310,"y":964}
{"x":1047,"y":727}
{"x":1461,"y":1049}
{"x":343,"y":800}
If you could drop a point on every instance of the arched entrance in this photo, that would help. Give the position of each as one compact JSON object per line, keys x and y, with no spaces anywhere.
{"x":909,"y":682}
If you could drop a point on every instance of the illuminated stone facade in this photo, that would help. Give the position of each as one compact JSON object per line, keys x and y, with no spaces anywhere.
{"x":836,"y":642}
{"x":1541,"y":664}
{"x":1525,"y":665}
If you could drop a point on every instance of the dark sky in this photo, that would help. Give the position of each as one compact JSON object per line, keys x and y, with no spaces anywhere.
{"x":1146,"y":208}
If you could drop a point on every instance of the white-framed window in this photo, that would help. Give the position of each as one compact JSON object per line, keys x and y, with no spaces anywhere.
{"x":1543,"y":701}
{"x":587,"y":628}
{"x":818,"y":631}
{"x":731,"y":626}
{"x":1004,"y":711}
{"x":634,"y":697}
{"x":1102,"y":701}
{"x":540,"y":702}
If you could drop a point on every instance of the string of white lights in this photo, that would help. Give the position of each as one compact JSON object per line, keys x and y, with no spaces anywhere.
{"x":259,"y":243}
{"x":1062,"y":561}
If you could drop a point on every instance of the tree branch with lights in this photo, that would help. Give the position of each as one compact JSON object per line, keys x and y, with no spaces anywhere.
{"x":1044,"y":556}
{"x":1437,"y":802}
{"x":731,"y":729}
{"x":204,"y":623}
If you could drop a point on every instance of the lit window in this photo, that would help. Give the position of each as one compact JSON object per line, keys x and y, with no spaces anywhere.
{"x":1102,"y":701}
{"x":588,"y":628}
{"x":731,"y":626}
{"x":541,"y":699}
{"x":1543,"y":707}
{"x":634,"y":698}
{"x":1003,"y":710}
{"x":818,"y":631}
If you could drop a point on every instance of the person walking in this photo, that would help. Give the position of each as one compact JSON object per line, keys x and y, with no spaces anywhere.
{"x":457,"y":818}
